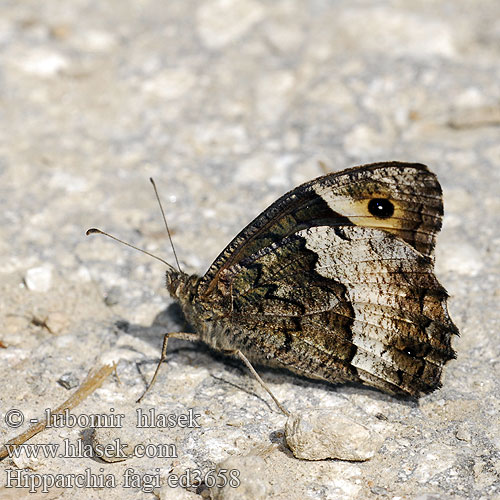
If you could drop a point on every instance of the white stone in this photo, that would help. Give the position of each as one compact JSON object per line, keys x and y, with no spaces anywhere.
{"x":170,"y":84}
{"x":221,"y":22}
{"x":98,"y":41}
{"x":463,"y":432}
{"x":321,"y":433}
{"x":381,"y":29}
{"x":43,"y":63}
{"x":83,"y":274}
{"x":39,"y":279}
{"x":25,"y":462}
{"x":470,"y":97}
{"x":69,"y":182}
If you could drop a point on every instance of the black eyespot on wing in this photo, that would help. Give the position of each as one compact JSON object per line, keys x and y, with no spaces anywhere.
{"x":381,"y":208}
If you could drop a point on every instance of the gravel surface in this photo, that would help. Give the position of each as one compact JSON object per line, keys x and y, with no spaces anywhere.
{"x":227,"y":105}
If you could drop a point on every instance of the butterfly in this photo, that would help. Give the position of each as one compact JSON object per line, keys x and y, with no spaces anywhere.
{"x":334,"y":281}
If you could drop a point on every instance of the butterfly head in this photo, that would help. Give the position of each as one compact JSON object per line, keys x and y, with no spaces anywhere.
{"x":180,"y":285}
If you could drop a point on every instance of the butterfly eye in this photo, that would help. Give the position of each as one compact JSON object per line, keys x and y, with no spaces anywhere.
{"x":381,"y":207}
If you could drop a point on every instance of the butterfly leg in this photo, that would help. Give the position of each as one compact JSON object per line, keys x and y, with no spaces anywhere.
{"x":243,"y":358}
{"x":192,"y":337}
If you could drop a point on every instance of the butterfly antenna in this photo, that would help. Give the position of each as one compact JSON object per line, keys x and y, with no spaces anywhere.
{"x":94,"y":230}
{"x":166,"y":225}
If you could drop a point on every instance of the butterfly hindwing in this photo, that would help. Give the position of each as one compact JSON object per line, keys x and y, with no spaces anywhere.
{"x":350,"y":304}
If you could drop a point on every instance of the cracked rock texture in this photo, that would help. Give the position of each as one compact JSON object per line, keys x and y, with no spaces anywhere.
{"x":228,"y":104}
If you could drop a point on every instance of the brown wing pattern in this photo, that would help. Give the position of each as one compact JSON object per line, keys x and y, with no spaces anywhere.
{"x":335,"y":281}
{"x":342,"y":199}
{"x":349,"y":304}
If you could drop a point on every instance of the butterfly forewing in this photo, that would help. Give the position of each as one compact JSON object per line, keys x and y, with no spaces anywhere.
{"x":343,"y":199}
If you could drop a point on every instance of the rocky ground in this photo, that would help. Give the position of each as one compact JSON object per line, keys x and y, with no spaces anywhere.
{"x":228,"y":104}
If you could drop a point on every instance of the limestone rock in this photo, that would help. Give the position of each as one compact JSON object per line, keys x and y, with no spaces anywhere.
{"x":321,"y":433}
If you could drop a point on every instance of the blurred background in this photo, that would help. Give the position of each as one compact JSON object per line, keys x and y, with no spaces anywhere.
{"x":228,"y":104}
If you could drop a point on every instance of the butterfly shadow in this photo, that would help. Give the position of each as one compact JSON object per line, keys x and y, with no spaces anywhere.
{"x":171,"y":319}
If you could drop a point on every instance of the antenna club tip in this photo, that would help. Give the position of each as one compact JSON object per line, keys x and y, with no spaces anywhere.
{"x":92,"y":230}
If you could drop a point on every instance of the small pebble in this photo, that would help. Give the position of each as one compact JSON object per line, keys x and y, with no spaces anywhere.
{"x":106,"y":440}
{"x":320,"y":434}
{"x":39,"y":279}
{"x":25,"y":462}
{"x":68,"y":381}
{"x":113,"y":296}
{"x":56,"y":322}
{"x":463,"y":432}
{"x":43,"y":63}
{"x":221,"y":22}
